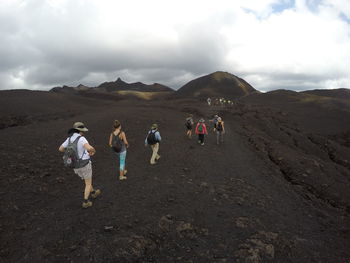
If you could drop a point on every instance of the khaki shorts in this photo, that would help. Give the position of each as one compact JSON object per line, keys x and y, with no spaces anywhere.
{"x":84,"y":172}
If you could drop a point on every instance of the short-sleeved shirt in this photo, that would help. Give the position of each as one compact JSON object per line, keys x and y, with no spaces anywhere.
{"x":82,"y":152}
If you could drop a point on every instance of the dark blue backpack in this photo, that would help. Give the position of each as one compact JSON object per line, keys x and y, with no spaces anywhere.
{"x":151,"y":138}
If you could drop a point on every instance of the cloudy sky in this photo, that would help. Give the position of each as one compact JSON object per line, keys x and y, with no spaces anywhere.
{"x":272,"y":44}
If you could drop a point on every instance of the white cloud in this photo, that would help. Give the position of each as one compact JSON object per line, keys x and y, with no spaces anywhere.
{"x":47,"y":43}
{"x":290,"y":43}
{"x":340,"y":6}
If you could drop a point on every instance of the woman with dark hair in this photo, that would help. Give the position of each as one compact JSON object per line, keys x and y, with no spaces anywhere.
{"x":189,"y":125}
{"x":118,"y":143}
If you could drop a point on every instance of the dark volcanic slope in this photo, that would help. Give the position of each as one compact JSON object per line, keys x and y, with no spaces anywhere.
{"x":272,"y":193}
{"x":23,"y":107}
{"x":319,"y":114}
{"x":335,"y":93}
{"x":218,"y":84}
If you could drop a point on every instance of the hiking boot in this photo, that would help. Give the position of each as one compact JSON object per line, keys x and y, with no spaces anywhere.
{"x":122,"y":178}
{"x":157,"y":158}
{"x":87,"y":203}
{"x":202,"y":143}
{"x":95,"y":193}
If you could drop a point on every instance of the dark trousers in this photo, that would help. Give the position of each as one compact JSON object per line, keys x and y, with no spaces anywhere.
{"x":201,"y":138}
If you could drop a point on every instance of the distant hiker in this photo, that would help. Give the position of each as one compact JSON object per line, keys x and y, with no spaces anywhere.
{"x":215,"y":121}
{"x":189,"y":125}
{"x":201,"y":130}
{"x":153,"y":139}
{"x":220,"y":131}
{"x":77,"y":152}
{"x":118,"y":144}
{"x":209,"y":101}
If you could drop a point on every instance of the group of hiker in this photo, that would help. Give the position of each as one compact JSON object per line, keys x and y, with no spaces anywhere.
{"x":77,"y":150}
{"x":220,"y":102}
{"x":201,"y":128}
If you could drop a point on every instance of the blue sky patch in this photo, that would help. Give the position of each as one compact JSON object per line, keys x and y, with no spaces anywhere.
{"x":345,"y":18}
{"x":283,"y":5}
{"x":313,"y":5}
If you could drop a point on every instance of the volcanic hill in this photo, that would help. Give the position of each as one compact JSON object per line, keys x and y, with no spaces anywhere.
{"x":118,"y":85}
{"x":217,"y":84}
{"x":119,"y":90}
{"x":137,"y":86}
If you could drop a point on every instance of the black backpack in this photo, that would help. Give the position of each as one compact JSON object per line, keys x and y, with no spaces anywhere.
{"x":151,"y":138}
{"x":219,"y":126}
{"x":117,"y":143}
{"x":188,"y":123}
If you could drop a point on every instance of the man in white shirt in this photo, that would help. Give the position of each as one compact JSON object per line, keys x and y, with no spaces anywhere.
{"x":84,"y":150}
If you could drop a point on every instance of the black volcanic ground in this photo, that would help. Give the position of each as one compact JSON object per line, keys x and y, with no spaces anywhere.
{"x":277,"y":190}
